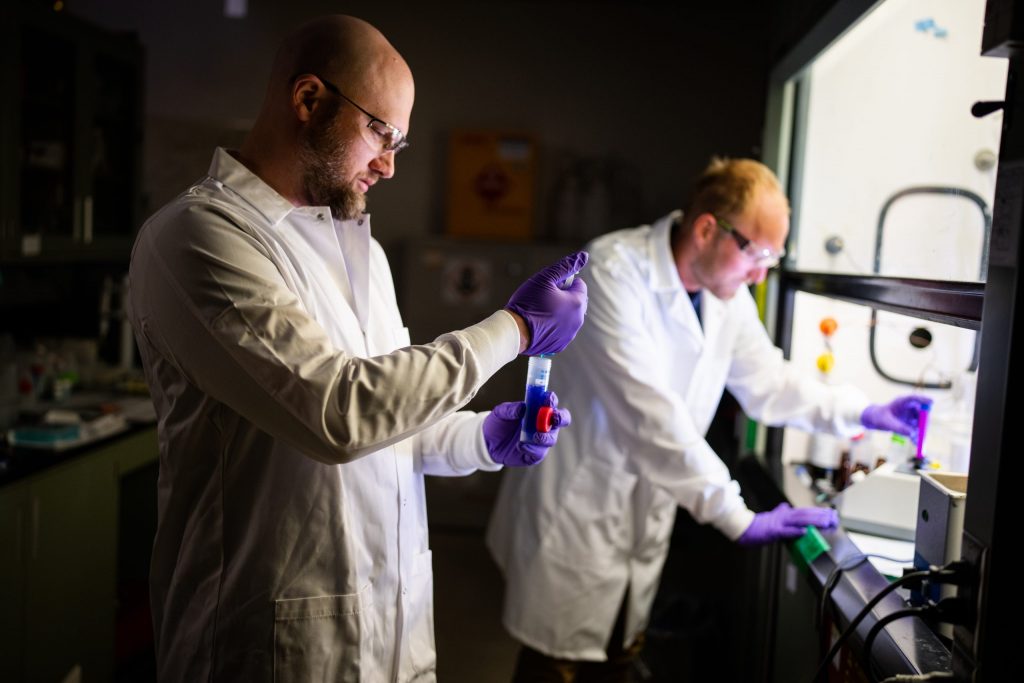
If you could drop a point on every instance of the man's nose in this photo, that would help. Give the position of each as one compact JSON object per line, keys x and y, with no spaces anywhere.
{"x":384,"y":164}
{"x":757,"y":275}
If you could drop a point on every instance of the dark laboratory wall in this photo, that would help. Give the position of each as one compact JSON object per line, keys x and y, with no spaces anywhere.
{"x":54,"y":299}
{"x":793,"y":19}
{"x":647,"y":90}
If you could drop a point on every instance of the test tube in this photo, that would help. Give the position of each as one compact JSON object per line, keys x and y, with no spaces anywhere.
{"x":538,"y":416}
{"x":922,"y":427}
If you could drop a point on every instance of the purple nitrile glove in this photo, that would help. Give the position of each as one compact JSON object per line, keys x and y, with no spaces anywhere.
{"x":786,"y":522}
{"x":553,"y":315}
{"x":501,"y":433}
{"x":899,"y":415}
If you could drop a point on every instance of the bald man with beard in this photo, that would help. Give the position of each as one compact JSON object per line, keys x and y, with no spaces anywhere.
{"x":295,"y":421}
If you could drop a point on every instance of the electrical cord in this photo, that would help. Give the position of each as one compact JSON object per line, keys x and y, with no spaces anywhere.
{"x":950,"y":573}
{"x":877,"y":627}
{"x":903,"y":580}
{"x":847,"y":563}
{"x":947,"y":610}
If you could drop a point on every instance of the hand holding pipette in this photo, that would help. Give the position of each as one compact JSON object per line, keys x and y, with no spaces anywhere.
{"x":552,"y":306}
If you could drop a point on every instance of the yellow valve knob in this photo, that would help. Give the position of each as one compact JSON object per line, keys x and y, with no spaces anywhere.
{"x":826,"y":362}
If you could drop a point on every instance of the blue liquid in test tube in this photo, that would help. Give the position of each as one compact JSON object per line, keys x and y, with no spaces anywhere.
{"x":537,"y":373}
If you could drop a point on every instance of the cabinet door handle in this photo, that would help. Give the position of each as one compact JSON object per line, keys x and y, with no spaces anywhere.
{"x":19,"y":535}
{"x":35,"y":528}
{"x":87,"y":219}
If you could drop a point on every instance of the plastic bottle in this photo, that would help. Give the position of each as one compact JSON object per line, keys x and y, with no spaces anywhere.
{"x":860,"y":453}
{"x":823,"y":452}
{"x":841,"y":476}
{"x":900,"y":452}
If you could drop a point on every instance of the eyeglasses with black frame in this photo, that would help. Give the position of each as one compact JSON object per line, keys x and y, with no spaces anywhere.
{"x":763,"y":257}
{"x":394,"y":139}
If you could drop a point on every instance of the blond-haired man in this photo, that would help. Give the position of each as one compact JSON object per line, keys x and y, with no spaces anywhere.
{"x":671,"y":324}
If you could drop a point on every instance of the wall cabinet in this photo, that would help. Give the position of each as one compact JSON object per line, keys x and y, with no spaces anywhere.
{"x":59,"y":529}
{"x":70,"y":137}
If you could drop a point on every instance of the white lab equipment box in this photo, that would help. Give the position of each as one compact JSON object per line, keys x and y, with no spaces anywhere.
{"x":883,"y":503}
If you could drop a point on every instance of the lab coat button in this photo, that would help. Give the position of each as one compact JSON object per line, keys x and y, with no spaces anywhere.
{"x":360,"y":221}
{"x":320,"y":216}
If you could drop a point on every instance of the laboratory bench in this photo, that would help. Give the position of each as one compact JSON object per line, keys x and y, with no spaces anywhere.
{"x":906,"y":645}
{"x":20,"y":462}
{"x":76,"y":532}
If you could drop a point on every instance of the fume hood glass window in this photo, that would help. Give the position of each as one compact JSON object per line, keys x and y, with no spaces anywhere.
{"x":892,"y":173}
{"x":885,"y":355}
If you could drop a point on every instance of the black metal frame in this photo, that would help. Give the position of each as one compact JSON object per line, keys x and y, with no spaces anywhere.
{"x":986,"y":217}
{"x":984,"y":648}
{"x":952,"y":303}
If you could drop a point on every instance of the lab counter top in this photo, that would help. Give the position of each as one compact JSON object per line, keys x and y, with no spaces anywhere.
{"x":19,"y":462}
{"x":905,"y":646}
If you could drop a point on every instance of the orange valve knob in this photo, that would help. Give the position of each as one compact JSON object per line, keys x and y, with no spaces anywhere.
{"x":545,"y":419}
{"x":828,"y":326}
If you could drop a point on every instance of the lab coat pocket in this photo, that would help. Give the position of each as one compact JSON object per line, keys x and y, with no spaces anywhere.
{"x":420,"y":610}
{"x":593,"y":523}
{"x":653,"y":529}
{"x":318,"y":638}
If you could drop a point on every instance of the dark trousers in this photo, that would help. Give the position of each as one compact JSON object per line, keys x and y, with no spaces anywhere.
{"x":536,"y":667}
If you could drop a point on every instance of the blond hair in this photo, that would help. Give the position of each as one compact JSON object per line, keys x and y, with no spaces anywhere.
{"x":727,"y":186}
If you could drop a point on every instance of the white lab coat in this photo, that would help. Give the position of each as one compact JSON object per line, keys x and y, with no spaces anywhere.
{"x":643,"y":380}
{"x":292,"y":537}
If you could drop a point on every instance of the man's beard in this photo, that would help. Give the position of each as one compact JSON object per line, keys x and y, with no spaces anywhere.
{"x":323,"y":155}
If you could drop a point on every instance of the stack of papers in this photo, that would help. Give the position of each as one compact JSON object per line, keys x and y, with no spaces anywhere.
{"x":890,"y":548}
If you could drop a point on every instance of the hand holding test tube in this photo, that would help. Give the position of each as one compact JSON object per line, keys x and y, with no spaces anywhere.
{"x":906,"y":415}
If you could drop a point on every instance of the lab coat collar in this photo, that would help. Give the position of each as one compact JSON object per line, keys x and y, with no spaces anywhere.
{"x":664,"y":273}
{"x":713,"y":312}
{"x":665,"y":280}
{"x":232,"y":173}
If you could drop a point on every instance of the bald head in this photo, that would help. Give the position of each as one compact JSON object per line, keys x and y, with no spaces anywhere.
{"x":339,"y":97}
{"x":344,"y":50}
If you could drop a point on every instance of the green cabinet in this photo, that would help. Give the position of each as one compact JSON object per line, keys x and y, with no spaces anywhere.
{"x":69,"y":601}
{"x":70,"y":136}
{"x":59,"y":586}
{"x":13,"y":511}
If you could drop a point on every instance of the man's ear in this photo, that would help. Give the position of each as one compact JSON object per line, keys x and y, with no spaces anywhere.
{"x":305,"y":92}
{"x":704,"y":227}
